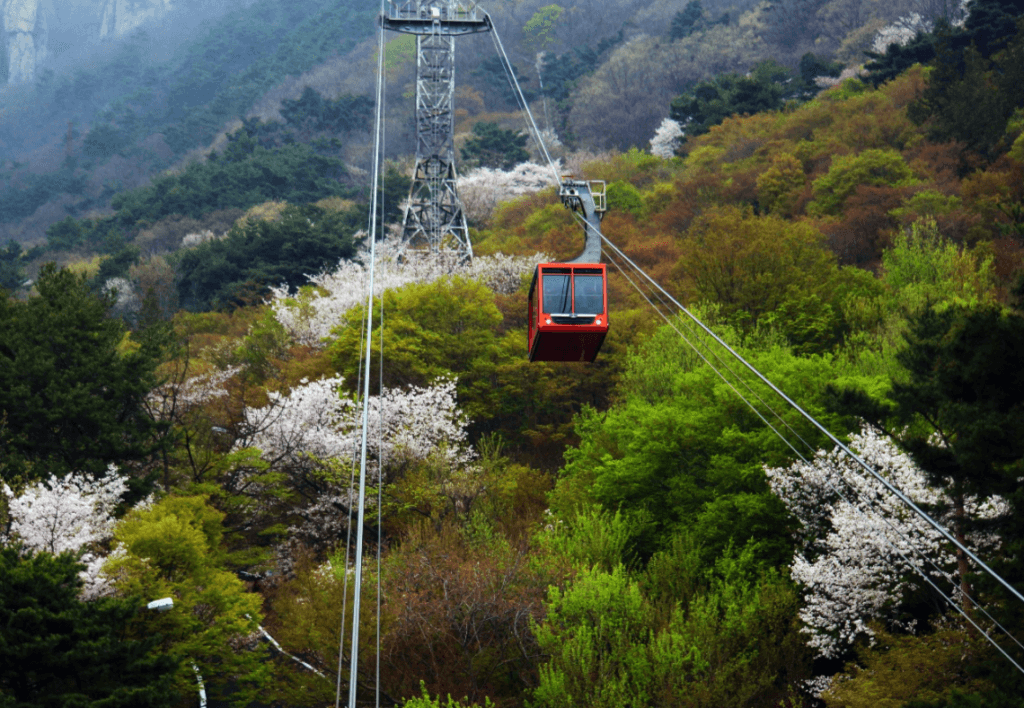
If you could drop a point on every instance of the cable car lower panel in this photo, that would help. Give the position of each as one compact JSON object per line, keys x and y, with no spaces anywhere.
{"x":568,"y":311}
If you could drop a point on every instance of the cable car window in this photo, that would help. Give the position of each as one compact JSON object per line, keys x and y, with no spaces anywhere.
{"x":589,"y":298}
{"x":557,"y":293}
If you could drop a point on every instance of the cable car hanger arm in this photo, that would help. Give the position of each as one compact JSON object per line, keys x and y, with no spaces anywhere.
{"x":589,"y":198}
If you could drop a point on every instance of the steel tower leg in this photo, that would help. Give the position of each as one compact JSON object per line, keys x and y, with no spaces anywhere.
{"x":434,"y":221}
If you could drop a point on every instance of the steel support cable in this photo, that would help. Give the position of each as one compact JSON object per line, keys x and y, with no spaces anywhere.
{"x":706,"y":361}
{"x":861,"y":496}
{"x":364,"y":331}
{"x":723,"y":363}
{"x":522,"y":99}
{"x":375,"y":175}
{"x":807,"y":416}
{"x":380,"y":479}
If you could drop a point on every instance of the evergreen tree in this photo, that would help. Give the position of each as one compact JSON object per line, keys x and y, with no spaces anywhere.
{"x":688,"y":20}
{"x":492,"y":146}
{"x":260,"y":254}
{"x":710,"y":102}
{"x":59,"y":651}
{"x":12,"y":274}
{"x":71,"y":398}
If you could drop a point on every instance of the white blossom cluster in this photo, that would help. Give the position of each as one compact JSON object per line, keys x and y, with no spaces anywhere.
{"x":831,"y":81}
{"x":299,"y":431}
{"x":310,"y":316}
{"x":483,"y":189}
{"x":859,"y":550}
{"x":314,"y":420}
{"x":128,"y":301}
{"x":174,"y":397}
{"x":69,"y":514}
{"x":906,"y":28}
{"x":666,"y":139}
{"x":900,"y":32}
{"x":195,"y":239}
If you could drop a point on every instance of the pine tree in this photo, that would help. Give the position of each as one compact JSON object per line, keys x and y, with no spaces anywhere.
{"x":59,"y":651}
{"x":71,"y":398}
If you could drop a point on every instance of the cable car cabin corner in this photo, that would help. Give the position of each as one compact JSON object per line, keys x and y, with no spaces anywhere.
{"x":568,"y":311}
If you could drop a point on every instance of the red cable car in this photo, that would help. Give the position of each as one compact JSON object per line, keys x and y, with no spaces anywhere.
{"x":568,"y":311}
{"x":568,"y":303}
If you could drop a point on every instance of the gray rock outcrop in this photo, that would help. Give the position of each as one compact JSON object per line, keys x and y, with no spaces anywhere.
{"x":120,"y":17}
{"x":25,"y":26}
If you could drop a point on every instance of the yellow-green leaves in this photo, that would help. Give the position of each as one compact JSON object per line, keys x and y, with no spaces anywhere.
{"x":875,"y":167}
{"x":172,"y":549}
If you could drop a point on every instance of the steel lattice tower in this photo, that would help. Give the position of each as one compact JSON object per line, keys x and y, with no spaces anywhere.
{"x":434,"y":220}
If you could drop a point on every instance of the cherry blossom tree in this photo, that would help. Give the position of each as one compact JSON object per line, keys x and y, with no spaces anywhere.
{"x":73,"y":514}
{"x":313,"y":434}
{"x":310,"y":316}
{"x":906,"y":27}
{"x":860,"y":548}
{"x":666,"y":139}
{"x":483,"y":189}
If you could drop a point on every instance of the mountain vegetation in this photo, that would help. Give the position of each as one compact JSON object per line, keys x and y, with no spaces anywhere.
{"x":182,"y":373}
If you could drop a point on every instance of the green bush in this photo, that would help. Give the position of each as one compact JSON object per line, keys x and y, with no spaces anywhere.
{"x":874,"y":167}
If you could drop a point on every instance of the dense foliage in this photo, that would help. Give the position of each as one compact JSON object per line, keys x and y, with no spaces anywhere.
{"x":60,"y":650}
{"x":253,"y":256}
{"x":72,"y":395}
{"x":183,"y":414}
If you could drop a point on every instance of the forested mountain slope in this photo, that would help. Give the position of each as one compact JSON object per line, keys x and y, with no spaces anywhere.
{"x":180,"y":418}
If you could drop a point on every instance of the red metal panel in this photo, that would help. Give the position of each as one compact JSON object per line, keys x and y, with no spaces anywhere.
{"x":565,"y":341}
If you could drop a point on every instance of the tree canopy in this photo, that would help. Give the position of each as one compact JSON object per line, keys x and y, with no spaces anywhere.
{"x":60,"y":651}
{"x":71,"y":393}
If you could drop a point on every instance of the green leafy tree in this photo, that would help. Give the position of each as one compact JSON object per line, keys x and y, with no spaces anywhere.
{"x":711,"y":102}
{"x":768,"y":270}
{"x":538,"y":32}
{"x":779,"y":185}
{"x":71,"y":397}
{"x":493,"y":146}
{"x":431,"y":330}
{"x":174,"y":548}
{"x":253,"y":256}
{"x":682,"y":447}
{"x":874,"y":167}
{"x":671,"y":636}
{"x":60,"y":651}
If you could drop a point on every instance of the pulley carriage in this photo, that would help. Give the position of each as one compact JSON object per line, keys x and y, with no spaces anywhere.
{"x":568,"y":302}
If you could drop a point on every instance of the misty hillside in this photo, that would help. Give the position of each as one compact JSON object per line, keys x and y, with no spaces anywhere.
{"x":193,"y":374}
{"x":105,"y":114}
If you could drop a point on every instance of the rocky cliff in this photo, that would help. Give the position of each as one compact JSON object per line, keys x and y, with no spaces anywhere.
{"x":25,"y":27}
{"x":119,"y":17}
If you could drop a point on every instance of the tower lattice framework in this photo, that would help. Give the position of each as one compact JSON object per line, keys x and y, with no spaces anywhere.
{"x":435,"y":220}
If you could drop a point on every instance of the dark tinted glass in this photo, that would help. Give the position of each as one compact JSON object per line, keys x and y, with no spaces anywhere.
{"x":589,"y":295}
{"x":556,"y":293}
